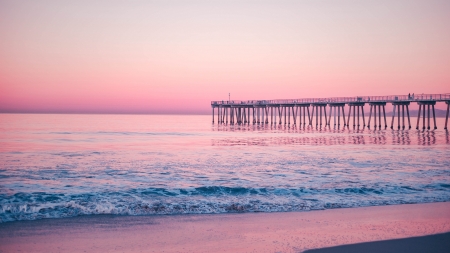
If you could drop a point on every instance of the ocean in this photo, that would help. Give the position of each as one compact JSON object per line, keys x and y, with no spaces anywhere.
{"x":65,"y":165}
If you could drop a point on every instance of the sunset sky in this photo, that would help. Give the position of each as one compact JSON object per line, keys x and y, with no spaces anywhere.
{"x":177,"y":56}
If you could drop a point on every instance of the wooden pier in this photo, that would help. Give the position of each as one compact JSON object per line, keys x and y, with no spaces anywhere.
{"x":298,"y":110}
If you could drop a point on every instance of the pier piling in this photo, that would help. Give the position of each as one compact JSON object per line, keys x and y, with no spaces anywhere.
{"x":422,"y":108}
{"x":446,"y":115}
{"x":258,"y":111}
{"x":401,"y":108}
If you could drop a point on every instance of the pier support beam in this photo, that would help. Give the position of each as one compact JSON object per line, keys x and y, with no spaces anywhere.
{"x":274,"y":110}
{"x":343,"y":115}
{"x":299,"y":115}
{"x":318,"y":108}
{"x":329,"y":117}
{"x":309,"y":116}
{"x":349,"y":113}
{"x":226,"y":115}
{"x":339,"y":115}
{"x":352,"y":107}
{"x":218,"y":115}
{"x":233,"y":115}
{"x":374,"y":106}
{"x":358,"y":107}
{"x":254,"y":115}
{"x":409,"y":121}
{"x":335,"y":109}
{"x":317,"y":114}
{"x":320,"y":114}
{"x":446,"y":115}
{"x":434,"y":118}
{"x":363,"y":116}
{"x":261,"y":115}
{"x":422,"y":105}
{"x":280,"y":111}
{"x":294,"y":114}
{"x":400,"y":106}
{"x":288,"y":115}
{"x":423,"y":116}
{"x":301,"y":110}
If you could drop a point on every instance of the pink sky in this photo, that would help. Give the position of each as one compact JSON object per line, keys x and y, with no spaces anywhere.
{"x":177,"y":56}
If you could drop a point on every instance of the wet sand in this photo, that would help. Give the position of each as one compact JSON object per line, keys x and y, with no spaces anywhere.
{"x":439,"y":243}
{"x":246,"y":232}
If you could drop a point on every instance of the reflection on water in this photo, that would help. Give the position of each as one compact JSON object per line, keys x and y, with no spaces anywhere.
{"x":266,"y":135}
{"x":54,"y":166}
{"x":426,"y":137}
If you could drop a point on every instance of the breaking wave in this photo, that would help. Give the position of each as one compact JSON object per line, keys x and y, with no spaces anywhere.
{"x":209,"y":199}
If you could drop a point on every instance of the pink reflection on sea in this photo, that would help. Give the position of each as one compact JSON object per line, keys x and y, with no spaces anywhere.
{"x":66,"y":165}
{"x":306,"y":135}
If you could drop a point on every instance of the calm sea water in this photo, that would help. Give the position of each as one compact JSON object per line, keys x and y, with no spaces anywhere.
{"x":54,"y":166}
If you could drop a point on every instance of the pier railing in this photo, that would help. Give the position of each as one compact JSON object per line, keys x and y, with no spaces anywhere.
{"x":366,"y":99}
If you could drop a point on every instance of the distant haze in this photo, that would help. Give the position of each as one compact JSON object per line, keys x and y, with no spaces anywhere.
{"x":177,"y":56}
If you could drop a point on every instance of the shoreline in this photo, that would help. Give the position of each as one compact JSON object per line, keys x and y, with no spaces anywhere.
{"x":230,"y":232}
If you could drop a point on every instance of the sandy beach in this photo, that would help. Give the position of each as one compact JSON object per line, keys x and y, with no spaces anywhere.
{"x":240,"y":232}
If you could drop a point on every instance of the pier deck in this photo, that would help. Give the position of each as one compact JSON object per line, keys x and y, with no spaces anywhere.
{"x":267,"y":111}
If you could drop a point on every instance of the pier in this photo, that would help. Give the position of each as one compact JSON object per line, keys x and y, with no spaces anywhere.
{"x":291,"y":111}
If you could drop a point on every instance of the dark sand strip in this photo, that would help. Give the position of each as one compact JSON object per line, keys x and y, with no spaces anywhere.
{"x":439,"y":243}
{"x":239,"y":232}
